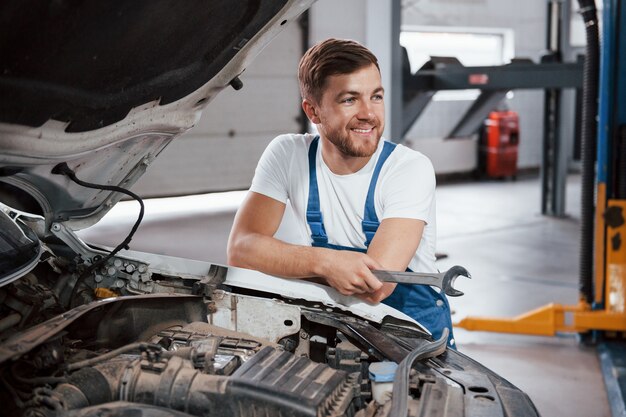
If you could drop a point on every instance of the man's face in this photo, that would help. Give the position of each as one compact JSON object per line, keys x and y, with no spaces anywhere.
{"x":351,"y":112}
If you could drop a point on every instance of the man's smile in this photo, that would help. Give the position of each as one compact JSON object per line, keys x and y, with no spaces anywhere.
{"x":362,"y":130}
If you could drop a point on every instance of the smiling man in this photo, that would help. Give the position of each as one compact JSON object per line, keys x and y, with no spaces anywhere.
{"x":360,"y":203}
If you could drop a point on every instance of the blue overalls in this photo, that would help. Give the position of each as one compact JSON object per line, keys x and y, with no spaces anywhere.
{"x":421,"y":302}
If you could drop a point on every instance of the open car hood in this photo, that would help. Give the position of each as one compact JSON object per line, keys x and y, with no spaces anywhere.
{"x":105,"y":87}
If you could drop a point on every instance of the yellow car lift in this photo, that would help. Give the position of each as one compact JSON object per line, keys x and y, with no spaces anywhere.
{"x":579,"y":318}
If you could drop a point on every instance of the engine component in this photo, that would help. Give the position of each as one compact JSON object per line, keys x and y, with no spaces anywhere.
{"x":124,"y":409}
{"x":296,"y":385}
{"x":399,"y":402}
{"x":381,"y":374}
{"x":347,"y":357}
{"x":351,"y":359}
{"x":213,"y":353}
{"x":25,"y":302}
{"x":273,"y":382}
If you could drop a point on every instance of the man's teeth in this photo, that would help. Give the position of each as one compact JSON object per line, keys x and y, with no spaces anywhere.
{"x":363,"y":130}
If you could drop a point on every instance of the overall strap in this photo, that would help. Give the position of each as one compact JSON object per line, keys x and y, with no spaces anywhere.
{"x":313,"y":211}
{"x":370,"y":221}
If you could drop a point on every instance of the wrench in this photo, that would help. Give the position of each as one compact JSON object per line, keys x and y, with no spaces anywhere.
{"x":443,"y":280}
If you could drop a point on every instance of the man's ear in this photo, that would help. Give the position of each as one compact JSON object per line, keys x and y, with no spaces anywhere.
{"x":311,"y":111}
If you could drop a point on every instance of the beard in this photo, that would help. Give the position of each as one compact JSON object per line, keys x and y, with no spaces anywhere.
{"x":350,"y":147}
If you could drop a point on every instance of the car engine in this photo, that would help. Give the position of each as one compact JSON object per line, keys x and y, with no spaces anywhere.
{"x":194,"y":371}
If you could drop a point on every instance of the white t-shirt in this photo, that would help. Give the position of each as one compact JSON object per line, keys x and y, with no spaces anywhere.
{"x":405,"y":189}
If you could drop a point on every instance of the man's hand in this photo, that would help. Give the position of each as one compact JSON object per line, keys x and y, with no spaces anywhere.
{"x":350,"y":272}
{"x":378,"y":296}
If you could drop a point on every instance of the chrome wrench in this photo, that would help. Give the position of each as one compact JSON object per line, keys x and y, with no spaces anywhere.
{"x":442,"y":280}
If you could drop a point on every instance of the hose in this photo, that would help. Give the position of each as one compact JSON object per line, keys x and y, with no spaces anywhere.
{"x":10,"y":321}
{"x":64,"y":169}
{"x":588,"y":146}
{"x":399,"y":400}
{"x":109,"y":355}
{"x":37,"y":380}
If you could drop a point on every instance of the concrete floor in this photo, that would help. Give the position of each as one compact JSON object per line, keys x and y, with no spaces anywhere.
{"x":519,"y":260}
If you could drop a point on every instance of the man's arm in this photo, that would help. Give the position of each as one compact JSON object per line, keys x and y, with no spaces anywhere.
{"x":251,"y":245}
{"x":393,"y":246}
{"x":408,"y":191}
{"x":395,"y":242}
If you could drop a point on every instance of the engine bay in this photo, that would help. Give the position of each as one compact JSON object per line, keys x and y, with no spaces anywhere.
{"x":151,"y":335}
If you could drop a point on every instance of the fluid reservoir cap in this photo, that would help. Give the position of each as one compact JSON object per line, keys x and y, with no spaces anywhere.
{"x":382,"y":371}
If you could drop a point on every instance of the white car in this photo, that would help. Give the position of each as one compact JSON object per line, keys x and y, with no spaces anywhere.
{"x":90,"y":93}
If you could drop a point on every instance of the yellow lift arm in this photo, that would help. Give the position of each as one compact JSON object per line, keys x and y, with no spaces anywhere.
{"x":580,"y":318}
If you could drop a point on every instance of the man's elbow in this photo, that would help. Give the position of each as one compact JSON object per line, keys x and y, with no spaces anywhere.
{"x":234,"y":253}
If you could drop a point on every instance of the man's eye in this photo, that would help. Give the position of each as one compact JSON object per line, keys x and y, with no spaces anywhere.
{"x":377,"y":97}
{"x":348,"y":100}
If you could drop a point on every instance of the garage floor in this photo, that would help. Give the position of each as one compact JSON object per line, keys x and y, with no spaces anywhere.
{"x":519,"y":260}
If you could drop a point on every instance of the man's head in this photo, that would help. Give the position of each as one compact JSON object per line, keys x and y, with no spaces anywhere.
{"x":331,"y":57}
{"x":342,"y":94}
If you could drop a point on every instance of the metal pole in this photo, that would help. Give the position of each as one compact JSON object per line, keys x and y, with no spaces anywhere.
{"x":554,"y":162}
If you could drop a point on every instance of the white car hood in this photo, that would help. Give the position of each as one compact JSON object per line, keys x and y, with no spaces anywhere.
{"x":105,"y":87}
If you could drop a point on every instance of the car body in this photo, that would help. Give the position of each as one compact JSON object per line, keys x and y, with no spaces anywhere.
{"x":88,"y":99}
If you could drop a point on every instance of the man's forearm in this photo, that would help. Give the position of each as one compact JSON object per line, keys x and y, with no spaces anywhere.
{"x":273,"y":256}
{"x":346,"y":271}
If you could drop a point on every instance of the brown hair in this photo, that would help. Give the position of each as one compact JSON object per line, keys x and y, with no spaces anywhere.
{"x":330,"y":57}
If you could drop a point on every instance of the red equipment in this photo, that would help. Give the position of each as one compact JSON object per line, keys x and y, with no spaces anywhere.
{"x":499,"y":144}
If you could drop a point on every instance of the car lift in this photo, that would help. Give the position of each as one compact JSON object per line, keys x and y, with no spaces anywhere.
{"x":494,"y":82}
{"x":601,"y":311}
{"x":606,"y":310}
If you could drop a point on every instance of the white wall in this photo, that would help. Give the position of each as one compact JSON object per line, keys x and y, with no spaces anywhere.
{"x":343,"y":19}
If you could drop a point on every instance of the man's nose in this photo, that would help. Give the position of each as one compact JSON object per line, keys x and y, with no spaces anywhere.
{"x":366,"y":110}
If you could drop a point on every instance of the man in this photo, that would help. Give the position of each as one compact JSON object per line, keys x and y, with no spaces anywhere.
{"x":360,"y":203}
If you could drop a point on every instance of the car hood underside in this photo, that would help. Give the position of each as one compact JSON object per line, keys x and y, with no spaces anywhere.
{"x":105,"y":86}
